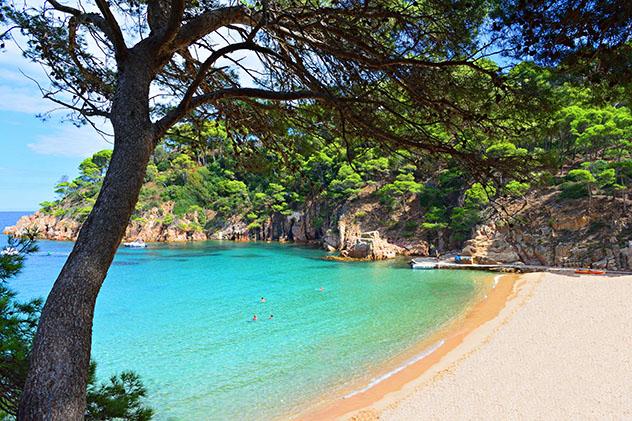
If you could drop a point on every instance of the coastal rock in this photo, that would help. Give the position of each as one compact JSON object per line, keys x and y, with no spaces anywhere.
{"x":47,"y":227}
{"x":490,"y":247}
{"x":372,"y":247}
{"x":570,"y":222}
{"x":421,"y":248}
{"x":557,"y":232}
{"x":331,"y":240}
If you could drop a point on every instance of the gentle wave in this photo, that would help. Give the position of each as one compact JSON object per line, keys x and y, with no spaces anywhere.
{"x":496,"y":280}
{"x":391,"y":373}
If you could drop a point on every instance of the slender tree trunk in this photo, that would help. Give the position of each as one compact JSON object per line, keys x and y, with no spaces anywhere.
{"x":56,"y":383}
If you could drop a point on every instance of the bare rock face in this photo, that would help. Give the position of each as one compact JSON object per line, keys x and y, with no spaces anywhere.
{"x":47,"y":226}
{"x":490,"y":247}
{"x":331,"y":240}
{"x":570,"y":222}
{"x":420,"y":248}
{"x":371,"y":246}
{"x":562,"y":233}
{"x":233,"y":229}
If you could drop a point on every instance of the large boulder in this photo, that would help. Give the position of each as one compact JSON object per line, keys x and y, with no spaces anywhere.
{"x":372,"y":247}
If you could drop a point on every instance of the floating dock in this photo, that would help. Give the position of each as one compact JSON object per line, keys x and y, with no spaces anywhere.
{"x":425,"y":263}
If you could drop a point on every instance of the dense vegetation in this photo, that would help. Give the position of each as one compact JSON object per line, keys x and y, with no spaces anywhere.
{"x":578,"y":141}
{"x":120,"y":398}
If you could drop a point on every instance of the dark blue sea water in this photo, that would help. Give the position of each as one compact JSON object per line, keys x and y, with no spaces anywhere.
{"x":180,"y":316}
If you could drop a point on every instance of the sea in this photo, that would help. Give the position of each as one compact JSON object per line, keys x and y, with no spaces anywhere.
{"x":180,"y":315}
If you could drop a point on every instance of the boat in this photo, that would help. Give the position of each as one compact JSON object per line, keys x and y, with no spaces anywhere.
{"x":423,"y":264}
{"x":590,"y":272}
{"x":9,"y":251}
{"x":138,"y":244}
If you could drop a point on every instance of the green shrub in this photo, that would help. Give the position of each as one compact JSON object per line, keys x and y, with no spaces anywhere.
{"x":168,"y":219}
{"x":571,"y":190}
{"x":516,"y":188}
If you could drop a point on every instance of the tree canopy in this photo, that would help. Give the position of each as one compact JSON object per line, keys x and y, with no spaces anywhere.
{"x":411,"y":74}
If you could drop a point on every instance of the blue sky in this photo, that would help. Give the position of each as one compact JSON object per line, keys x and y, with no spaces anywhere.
{"x":34,"y":154}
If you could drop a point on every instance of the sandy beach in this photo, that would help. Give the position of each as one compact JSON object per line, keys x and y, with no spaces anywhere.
{"x":561,"y":348}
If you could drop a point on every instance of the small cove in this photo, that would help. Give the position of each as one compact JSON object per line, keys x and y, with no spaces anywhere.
{"x":179,"y":315}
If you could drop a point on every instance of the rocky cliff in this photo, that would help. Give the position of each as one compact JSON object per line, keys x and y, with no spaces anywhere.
{"x":541,"y":229}
{"x":546,"y":230}
{"x":355,"y":229}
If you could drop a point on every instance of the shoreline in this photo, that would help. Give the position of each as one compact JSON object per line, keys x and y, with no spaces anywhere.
{"x":421,"y":358}
{"x":562,"y":341}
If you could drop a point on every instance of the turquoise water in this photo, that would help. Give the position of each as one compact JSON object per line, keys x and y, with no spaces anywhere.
{"x":179,"y":315}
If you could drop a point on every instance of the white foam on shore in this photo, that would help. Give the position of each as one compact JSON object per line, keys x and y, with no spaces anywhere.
{"x":496,"y":280}
{"x":385,"y":376}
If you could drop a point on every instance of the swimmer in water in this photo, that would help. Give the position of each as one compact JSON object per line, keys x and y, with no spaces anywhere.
{"x":271,"y":317}
{"x":254,"y":318}
{"x":262,"y":300}
{"x":321,"y":289}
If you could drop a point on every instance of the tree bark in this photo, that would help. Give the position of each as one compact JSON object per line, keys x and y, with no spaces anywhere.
{"x":56,"y":383}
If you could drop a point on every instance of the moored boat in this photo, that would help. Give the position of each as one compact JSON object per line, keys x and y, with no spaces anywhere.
{"x":423,"y":264}
{"x":590,"y":272}
{"x":135,"y":244}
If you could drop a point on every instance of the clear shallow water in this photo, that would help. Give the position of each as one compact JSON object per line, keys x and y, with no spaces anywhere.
{"x":180,"y":315}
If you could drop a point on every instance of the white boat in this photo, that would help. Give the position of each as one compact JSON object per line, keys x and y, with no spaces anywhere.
{"x":9,"y":251}
{"x":138,"y":244}
{"x":423,"y":264}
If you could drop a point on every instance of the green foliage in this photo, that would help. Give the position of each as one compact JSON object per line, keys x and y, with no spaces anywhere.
{"x":462,"y":220}
{"x":516,"y":188}
{"x":168,"y":219}
{"x":93,"y":169}
{"x":593,"y":129}
{"x":572,"y":190}
{"x":477,"y":195}
{"x":580,"y":176}
{"x":504,"y":150}
{"x":606,"y":178}
{"x":400,"y":189}
{"x":200,"y":169}
{"x":578,"y":184}
{"x":435,"y":219}
{"x":47,"y":207}
{"x":346,"y":184}
{"x":121,"y":398}
{"x":151,"y":173}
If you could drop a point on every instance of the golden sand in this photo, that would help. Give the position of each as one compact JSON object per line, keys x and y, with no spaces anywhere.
{"x":358,"y":407}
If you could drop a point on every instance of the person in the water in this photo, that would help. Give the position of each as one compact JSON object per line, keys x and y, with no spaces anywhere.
{"x":254,"y":318}
{"x":262,"y":300}
{"x":271,"y":317}
{"x":322,"y":289}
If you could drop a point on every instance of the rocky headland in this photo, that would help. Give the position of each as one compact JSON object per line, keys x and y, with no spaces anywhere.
{"x":540,"y":229}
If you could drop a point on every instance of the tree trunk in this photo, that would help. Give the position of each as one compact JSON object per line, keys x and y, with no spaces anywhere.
{"x":57,"y":379}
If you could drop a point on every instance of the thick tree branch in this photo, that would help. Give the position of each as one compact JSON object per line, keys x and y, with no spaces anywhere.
{"x":206,"y":65}
{"x":113,"y":33}
{"x":65,"y":9}
{"x":177,"y":113}
{"x":175,"y":20}
{"x":209,"y":22}
{"x":116,"y":34}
